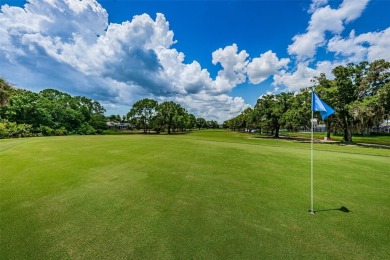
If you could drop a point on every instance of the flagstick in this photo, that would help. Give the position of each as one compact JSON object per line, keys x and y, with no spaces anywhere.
{"x":316,"y":105}
{"x":311,"y":164}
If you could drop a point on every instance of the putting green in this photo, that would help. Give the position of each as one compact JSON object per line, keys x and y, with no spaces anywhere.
{"x":208,"y":195}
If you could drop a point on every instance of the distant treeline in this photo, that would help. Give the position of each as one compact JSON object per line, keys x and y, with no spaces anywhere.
{"x":360,"y":94}
{"x":148,"y":114}
{"x":25,"y":113}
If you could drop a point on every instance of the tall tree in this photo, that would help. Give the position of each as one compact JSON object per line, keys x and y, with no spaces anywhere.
{"x":298,"y":114}
{"x":327,"y":90}
{"x":144,"y":111}
{"x":180,"y":118}
{"x":167,"y":114}
{"x":346,"y":94}
{"x":384,"y":100}
{"x":201,"y":123}
{"x":247,"y":119}
{"x":271,"y":109}
{"x":27,"y":107}
{"x":357,"y":96}
{"x":212,"y":124}
{"x":366,"y":114}
{"x":369,"y":110}
{"x":191,"y":122}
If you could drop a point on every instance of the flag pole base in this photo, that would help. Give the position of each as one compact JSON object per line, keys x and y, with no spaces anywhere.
{"x":312,"y":212}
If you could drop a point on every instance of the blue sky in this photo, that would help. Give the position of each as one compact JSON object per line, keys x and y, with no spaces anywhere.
{"x":214,"y":57}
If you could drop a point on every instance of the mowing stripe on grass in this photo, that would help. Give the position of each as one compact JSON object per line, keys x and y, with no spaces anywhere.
{"x":209,"y":194}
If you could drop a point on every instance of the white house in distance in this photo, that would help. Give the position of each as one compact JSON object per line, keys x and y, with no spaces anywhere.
{"x":383,"y":128}
{"x":118,"y":126}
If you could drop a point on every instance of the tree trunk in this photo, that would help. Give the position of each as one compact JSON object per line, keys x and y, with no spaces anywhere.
{"x":276,"y":132}
{"x":327,"y":134}
{"x":347,"y":135}
{"x":328,"y":125}
{"x":347,"y":132}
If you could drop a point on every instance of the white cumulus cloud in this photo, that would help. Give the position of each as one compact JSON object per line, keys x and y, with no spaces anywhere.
{"x":234,"y":67}
{"x":316,"y":4}
{"x":259,"y":69}
{"x":367,"y":46}
{"x":69,"y":45}
{"x":300,"y":78}
{"x":303,"y":75}
{"x":324,"y":19}
{"x":213,"y":107}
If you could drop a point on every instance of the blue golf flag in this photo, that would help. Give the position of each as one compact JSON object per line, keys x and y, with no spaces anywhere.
{"x":318,"y":105}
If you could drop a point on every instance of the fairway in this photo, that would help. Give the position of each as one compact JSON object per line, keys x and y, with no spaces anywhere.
{"x":204,"y":195}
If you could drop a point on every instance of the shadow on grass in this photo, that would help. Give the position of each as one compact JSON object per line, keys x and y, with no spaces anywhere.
{"x":283,"y":137}
{"x":342,"y":209}
{"x":321,"y":141}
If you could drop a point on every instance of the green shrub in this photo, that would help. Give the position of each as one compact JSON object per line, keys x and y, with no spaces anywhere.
{"x":61,"y":131}
{"x":85,"y":129}
{"x":45,"y":130}
{"x":14,"y":130}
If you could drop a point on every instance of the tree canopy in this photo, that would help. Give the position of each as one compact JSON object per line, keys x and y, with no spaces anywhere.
{"x":143,"y":113}
{"x":49,"y":112}
{"x":52,"y":112}
{"x":360,"y":94}
{"x":149,"y":115}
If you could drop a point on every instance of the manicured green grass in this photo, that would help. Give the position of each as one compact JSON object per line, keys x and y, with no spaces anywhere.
{"x":204,"y":195}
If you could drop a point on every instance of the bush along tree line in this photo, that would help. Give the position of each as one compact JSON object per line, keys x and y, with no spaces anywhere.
{"x":148,"y":115}
{"x":360,"y":94}
{"x":50,"y":112}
